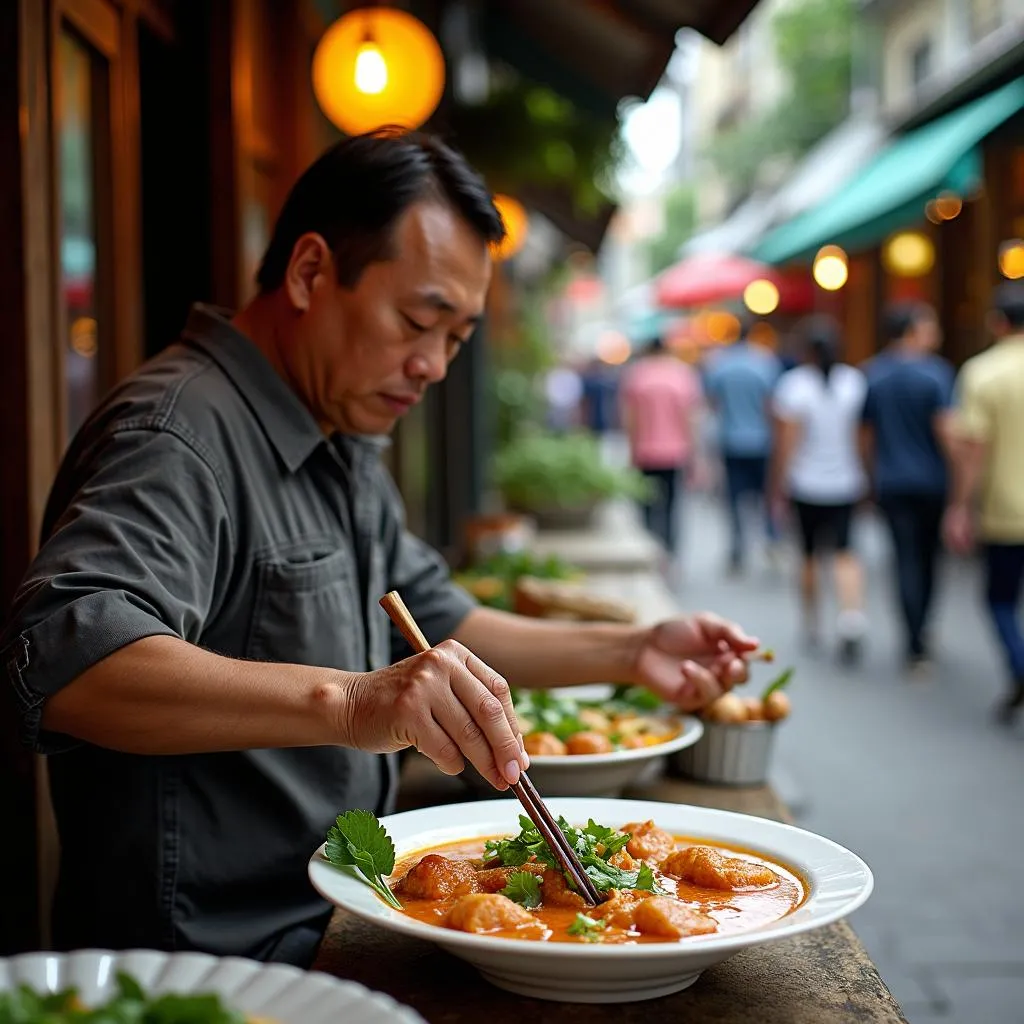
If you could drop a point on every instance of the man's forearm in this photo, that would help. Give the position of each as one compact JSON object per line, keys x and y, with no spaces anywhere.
{"x":968,"y":464}
{"x":535,"y":653}
{"x":162,"y":695}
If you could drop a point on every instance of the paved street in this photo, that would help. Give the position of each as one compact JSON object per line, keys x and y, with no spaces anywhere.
{"x":911,"y":775}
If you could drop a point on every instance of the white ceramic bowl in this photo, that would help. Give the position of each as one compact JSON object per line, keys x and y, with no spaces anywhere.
{"x":283,"y":993}
{"x":838,"y":882}
{"x":598,"y":774}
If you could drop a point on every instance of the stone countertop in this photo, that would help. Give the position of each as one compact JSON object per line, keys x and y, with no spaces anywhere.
{"x":820,"y":977}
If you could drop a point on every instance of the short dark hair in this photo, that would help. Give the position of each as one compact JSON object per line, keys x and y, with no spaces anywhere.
{"x":1008,"y":302}
{"x":354,"y":193}
{"x":821,"y":339}
{"x":901,"y":317}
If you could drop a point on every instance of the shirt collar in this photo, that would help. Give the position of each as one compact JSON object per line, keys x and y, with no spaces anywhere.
{"x":287,"y":423}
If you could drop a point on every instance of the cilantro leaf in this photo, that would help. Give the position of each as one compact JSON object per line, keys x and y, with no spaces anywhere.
{"x":523,"y":888}
{"x":358,"y":842}
{"x":588,"y":928}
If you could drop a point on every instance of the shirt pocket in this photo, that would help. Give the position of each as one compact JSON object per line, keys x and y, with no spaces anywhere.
{"x":307,"y":610}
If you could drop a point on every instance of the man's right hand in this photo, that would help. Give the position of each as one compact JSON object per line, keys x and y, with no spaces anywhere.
{"x":444,"y":702}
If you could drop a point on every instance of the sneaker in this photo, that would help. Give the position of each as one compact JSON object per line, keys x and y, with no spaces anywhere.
{"x":850,"y":651}
{"x":851,"y":626}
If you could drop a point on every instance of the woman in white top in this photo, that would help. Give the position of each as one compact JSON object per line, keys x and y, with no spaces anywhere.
{"x":817,"y":466}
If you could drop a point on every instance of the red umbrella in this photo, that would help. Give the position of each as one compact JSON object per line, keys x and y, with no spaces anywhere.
{"x":703,"y":280}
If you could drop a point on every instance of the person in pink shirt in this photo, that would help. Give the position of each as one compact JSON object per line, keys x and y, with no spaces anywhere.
{"x":660,"y":402}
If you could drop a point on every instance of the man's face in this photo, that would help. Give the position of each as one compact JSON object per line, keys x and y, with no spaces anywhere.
{"x":361,"y":357}
{"x":927,"y":333}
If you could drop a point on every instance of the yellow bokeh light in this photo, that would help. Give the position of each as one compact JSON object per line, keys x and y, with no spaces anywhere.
{"x":516,"y":221}
{"x":762,"y":333}
{"x":83,"y":336}
{"x":831,"y":268}
{"x":613,"y":348}
{"x":378,"y":66}
{"x":761,"y":297}
{"x":908,"y":254}
{"x":1011,"y":259}
{"x":948,"y":205}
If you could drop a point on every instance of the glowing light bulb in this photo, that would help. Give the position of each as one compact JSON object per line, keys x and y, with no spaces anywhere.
{"x":371,"y":69}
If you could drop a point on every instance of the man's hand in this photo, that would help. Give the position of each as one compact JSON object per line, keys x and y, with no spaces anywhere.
{"x":693,"y":660}
{"x":958,"y":529}
{"x":444,"y":702}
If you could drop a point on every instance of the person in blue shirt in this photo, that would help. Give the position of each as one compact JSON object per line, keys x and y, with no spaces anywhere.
{"x":910,"y":391}
{"x":739,"y":382}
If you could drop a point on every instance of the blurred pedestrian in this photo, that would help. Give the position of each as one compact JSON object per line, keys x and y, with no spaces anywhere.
{"x":988,"y":467}
{"x":598,"y":411}
{"x":817,"y":466}
{"x":739,"y":381}
{"x":910,"y":391}
{"x":660,"y":407}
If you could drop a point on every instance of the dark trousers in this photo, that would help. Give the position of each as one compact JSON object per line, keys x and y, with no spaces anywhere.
{"x":746,"y":474}
{"x":915,"y":522}
{"x":661,"y":511}
{"x":1005,"y":576}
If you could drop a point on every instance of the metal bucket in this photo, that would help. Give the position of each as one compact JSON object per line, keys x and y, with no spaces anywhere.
{"x":730,"y":754}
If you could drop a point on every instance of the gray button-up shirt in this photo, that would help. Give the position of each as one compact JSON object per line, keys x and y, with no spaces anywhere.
{"x":202,"y":501}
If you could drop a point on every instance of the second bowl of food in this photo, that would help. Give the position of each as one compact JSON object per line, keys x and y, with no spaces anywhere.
{"x":683,"y":888}
{"x":597,"y":742}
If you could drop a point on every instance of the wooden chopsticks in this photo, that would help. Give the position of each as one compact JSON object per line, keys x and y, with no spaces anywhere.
{"x":524,"y":789}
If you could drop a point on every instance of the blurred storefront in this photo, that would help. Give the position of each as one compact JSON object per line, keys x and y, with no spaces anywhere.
{"x":148,"y":145}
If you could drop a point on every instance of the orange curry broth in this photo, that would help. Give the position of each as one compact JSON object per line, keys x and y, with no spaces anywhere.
{"x":734,"y":911}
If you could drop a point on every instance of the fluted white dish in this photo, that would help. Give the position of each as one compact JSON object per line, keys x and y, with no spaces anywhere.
{"x":280,"y":992}
{"x":837,"y":882}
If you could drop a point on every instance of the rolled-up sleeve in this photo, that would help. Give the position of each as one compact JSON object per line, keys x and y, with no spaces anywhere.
{"x":137,"y":552}
{"x":421,"y":577}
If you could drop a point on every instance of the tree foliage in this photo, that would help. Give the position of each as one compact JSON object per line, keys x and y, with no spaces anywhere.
{"x":680,"y":213}
{"x":813,"y":42}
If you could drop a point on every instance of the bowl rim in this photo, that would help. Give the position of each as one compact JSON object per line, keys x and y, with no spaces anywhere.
{"x":477,"y":822}
{"x":690,"y":733}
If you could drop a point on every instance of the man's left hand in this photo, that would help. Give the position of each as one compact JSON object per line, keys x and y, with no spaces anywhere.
{"x":693,"y":660}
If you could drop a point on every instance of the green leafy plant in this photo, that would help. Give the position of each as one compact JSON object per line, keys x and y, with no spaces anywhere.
{"x":359,"y":844}
{"x":523,"y":888}
{"x":587,"y":927}
{"x":492,"y":581}
{"x":594,"y":845}
{"x":130,"y":1005}
{"x":561,"y":471}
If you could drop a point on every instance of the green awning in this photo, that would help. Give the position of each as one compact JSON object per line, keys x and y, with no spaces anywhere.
{"x":891,"y":192}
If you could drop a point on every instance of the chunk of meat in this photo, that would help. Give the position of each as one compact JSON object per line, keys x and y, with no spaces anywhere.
{"x":589,"y":743}
{"x":671,"y":919}
{"x":495,"y":879}
{"x":620,"y":909}
{"x":648,"y":842}
{"x":437,"y":878}
{"x":543,"y":743}
{"x":488,"y":912}
{"x":706,"y":867}
{"x":622,"y":859}
{"x":555,"y":891}
{"x":594,"y":719}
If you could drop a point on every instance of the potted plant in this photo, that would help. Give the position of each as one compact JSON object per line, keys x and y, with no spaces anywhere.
{"x":561,"y":479}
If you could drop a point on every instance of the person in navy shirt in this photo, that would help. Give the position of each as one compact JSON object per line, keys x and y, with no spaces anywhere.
{"x":910,"y":391}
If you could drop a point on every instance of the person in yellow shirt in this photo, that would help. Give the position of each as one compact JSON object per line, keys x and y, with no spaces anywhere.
{"x":988,"y":475}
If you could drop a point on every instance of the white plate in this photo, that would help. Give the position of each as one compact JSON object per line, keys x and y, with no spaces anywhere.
{"x":838,"y":882}
{"x":598,"y":775}
{"x":281,"y":992}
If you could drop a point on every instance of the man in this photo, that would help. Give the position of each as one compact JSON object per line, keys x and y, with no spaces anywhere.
{"x":988,"y":467}
{"x":739,"y":384}
{"x":198,"y":646}
{"x":660,"y":400}
{"x":910,"y":390}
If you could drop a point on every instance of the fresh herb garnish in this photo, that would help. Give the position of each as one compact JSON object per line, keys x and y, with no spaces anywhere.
{"x":358,"y":842}
{"x":635,"y":698}
{"x":778,"y":683}
{"x":523,"y":888}
{"x":588,"y":928}
{"x":130,"y":1005}
{"x":594,"y":845}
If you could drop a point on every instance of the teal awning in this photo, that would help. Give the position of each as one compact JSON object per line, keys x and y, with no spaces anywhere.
{"x":891,"y":192}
